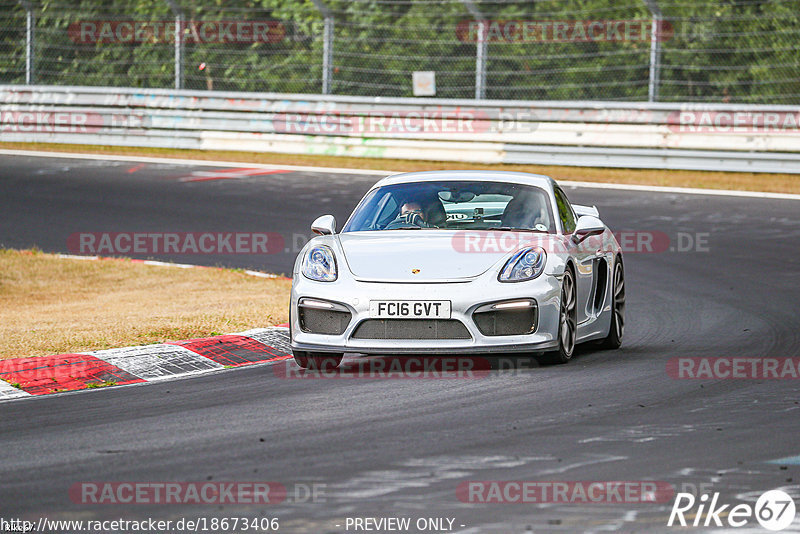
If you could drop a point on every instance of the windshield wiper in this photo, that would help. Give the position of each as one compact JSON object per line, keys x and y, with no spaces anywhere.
{"x":405,"y":228}
{"x":510,"y":229}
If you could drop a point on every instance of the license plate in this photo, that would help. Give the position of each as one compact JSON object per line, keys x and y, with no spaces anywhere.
{"x":409,"y":309}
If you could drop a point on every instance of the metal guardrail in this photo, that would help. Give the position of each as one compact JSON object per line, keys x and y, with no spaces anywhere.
{"x":724,"y":137}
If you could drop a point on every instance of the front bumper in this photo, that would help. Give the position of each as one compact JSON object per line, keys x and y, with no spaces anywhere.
{"x":465,"y":298}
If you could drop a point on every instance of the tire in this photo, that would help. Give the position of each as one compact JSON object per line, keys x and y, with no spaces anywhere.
{"x":617,"y":327}
{"x":322,"y":361}
{"x":567,"y":323}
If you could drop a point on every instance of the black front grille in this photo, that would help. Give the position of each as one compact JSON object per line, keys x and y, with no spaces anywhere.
{"x":317,"y":321}
{"x":506,"y":322}
{"x":411,"y":329}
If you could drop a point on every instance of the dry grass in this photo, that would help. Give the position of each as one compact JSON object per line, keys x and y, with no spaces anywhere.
{"x":745,"y":181}
{"x":50,"y":305}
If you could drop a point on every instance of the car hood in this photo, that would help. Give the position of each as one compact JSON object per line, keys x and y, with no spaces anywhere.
{"x":438,"y":255}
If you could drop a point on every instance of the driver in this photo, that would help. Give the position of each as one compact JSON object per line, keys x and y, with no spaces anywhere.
{"x":412,"y":213}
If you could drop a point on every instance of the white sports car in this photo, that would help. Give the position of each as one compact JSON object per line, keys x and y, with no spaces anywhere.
{"x":458,"y":262}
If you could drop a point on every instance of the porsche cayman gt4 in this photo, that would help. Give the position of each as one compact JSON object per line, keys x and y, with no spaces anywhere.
{"x":458,"y":262}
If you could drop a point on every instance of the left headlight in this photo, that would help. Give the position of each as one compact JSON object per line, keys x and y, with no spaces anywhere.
{"x":319,"y":264}
{"x":525,"y":264}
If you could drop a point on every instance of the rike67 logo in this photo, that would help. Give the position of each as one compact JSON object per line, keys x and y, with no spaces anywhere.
{"x":774,"y":510}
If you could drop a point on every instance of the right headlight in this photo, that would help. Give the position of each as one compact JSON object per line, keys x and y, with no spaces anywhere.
{"x":525,"y":264}
{"x":319,"y":264}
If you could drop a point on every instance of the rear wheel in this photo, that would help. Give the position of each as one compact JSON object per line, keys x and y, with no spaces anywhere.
{"x":617,"y":328}
{"x":567,"y":323}
{"x":321,"y":361}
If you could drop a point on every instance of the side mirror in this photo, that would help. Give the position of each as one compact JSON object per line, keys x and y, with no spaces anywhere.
{"x":586,"y":226}
{"x":324,"y":225}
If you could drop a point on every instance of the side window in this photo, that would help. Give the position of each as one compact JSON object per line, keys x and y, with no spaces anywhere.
{"x":387,"y":211}
{"x":565,"y":212}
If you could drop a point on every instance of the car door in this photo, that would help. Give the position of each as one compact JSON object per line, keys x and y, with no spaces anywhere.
{"x":582,"y":252}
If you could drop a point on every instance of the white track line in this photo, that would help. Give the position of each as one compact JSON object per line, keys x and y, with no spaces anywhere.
{"x":569,"y":183}
{"x":156,"y":263}
{"x":192,"y":162}
{"x":681,"y":190}
{"x":76,"y":257}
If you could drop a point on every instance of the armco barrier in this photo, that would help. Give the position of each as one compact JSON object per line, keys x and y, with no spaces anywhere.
{"x":605,"y":134}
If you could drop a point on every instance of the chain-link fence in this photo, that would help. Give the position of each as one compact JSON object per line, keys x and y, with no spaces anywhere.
{"x":637,"y":50}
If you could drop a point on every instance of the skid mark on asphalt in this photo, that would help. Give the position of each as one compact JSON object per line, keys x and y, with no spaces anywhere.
{"x":228,"y":174}
{"x":770,"y":402}
{"x":371,"y":484}
{"x":135,"y":168}
{"x":475,"y":462}
{"x":401,"y":490}
{"x":642,"y":433}
{"x":791,"y":460}
{"x":593,"y":459}
{"x":416,"y":473}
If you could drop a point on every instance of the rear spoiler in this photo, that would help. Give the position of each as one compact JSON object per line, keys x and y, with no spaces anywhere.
{"x":586,"y":210}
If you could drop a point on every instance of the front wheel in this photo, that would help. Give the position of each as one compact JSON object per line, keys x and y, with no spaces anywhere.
{"x":617,"y":328}
{"x":567,"y":323}
{"x":321,"y":361}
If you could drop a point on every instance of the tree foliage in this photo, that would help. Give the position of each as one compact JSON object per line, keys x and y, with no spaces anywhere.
{"x":720,"y":51}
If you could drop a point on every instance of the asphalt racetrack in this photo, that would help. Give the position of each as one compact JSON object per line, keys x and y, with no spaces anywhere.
{"x":401,"y":448}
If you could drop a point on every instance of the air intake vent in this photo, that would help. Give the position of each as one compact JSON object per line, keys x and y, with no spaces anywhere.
{"x":411,"y":329}
{"x":320,"y":321}
{"x":506,"y":322}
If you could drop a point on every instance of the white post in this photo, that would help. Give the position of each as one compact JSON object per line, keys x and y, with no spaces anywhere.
{"x":327,"y":47}
{"x":178,"y":51}
{"x":30,"y":27}
{"x":327,"y":57}
{"x":655,"y":51}
{"x":480,"y":63}
{"x":179,"y":18}
{"x":482,"y":50}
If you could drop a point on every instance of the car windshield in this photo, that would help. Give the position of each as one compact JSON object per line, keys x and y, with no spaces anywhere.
{"x":462,"y":205}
